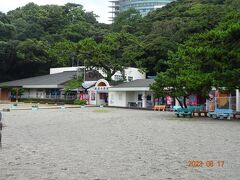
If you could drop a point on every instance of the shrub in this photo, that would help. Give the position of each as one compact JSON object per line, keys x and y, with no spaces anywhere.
{"x":35,"y":106}
{"x":49,"y":101}
{"x":80,"y":102}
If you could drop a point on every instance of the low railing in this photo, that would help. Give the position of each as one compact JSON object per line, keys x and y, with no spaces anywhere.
{"x":222,"y":103}
{"x":136,"y":104}
{"x":66,"y":97}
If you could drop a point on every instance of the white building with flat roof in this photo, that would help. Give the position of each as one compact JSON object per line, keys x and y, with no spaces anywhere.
{"x":136,"y":93}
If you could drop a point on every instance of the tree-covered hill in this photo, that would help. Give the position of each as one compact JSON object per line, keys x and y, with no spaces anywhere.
{"x":28,"y":33}
{"x":34,"y":38}
{"x":174,"y":24}
{"x":206,"y":59}
{"x":165,"y":29}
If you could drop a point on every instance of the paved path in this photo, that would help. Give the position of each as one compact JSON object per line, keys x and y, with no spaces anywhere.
{"x":75,"y":144}
{"x":28,"y":106}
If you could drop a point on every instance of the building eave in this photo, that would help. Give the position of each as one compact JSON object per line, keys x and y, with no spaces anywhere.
{"x":42,"y":86}
{"x":129,"y":89}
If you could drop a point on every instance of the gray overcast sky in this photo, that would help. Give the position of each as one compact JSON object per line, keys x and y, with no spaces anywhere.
{"x":99,"y":7}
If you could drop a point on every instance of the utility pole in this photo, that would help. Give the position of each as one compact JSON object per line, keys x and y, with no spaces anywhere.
{"x":72,"y":60}
{"x":77,"y":79}
{"x":84,"y":71}
{"x":77,"y":68}
{"x":17,"y":95}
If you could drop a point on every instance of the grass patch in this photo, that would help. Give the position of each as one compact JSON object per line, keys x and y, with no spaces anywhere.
{"x":101,"y":111}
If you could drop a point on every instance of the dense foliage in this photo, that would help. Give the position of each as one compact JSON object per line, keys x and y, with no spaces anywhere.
{"x":204,"y":60}
{"x":34,"y":38}
{"x":80,"y":102}
{"x":191,"y":44}
{"x":73,"y":84}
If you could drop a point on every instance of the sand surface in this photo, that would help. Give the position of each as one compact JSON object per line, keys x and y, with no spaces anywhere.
{"x":88,"y":143}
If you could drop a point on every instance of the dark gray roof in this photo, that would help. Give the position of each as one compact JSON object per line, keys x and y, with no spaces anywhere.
{"x":136,"y":83}
{"x":50,"y":79}
{"x":93,"y":75}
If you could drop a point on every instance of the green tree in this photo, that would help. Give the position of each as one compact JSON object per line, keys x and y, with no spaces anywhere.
{"x":169,"y":27}
{"x":62,"y":53}
{"x":217,"y":52}
{"x":32,"y":51}
{"x":181,"y":80}
{"x":128,"y":21}
{"x":206,"y":60}
{"x":32,"y":58}
{"x":8,"y":60}
{"x":117,"y":51}
{"x":31,"y":38}
{"x":7,"y":31}
{"x":18,"y":92}
{"x":73,"y":84}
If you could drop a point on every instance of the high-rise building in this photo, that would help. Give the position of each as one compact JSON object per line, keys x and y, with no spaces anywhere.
{"x":143,"y":6}
{"x":115,"y":9}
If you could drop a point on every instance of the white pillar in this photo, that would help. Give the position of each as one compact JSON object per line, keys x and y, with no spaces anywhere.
{"x":144,"y":100}
{"x":207,"y":105}
{"x":230,"y":101}
{"x":176,"y":102}
{"x":237,"y":100}
{"x":153,"y":99}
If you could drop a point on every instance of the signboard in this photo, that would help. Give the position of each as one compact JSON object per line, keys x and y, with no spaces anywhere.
{"x":169,"y":100}
{"x":101,"y":89}
{"x":84,"y":96}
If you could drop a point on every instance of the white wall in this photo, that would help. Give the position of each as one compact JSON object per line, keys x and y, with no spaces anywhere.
{"x":63,"y":69}
{"x":117,"y":99}
{"x":92,"y":93}
{"x":129,"y":72}
{"x":237,"y":100}
{"x":32,"y":93}
{"x":29,"y":93}
{"x":131,"y":96}
{"x":121,"y":98}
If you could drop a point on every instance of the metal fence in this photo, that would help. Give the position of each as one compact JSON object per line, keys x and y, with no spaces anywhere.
{"x":229,"y":102}
{"x":66,"y":97}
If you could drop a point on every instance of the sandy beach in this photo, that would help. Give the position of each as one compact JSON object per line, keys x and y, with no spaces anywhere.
{"x":116,"y":144}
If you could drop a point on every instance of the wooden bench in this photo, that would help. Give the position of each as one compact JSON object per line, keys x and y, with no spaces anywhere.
{"x":199,"y":110}
{"x":221,"y":113}
{"x":236,"y":114}
{"x":184,"y":112}
{"x":200,"y":113}
{"x":159,"y":108}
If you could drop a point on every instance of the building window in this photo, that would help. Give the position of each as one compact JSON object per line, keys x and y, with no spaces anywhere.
{"x":93,"y":96}
{"x":130,"y":78}
{"x":103,"y":96}
{"x":118,"y":77}
{"x":139,"y":97}
{"x":149,"y":98}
